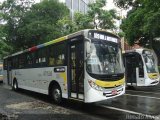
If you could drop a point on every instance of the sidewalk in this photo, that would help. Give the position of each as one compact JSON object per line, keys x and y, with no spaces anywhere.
{"x":5,"y":86}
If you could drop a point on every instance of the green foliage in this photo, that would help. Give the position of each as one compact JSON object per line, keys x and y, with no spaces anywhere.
{"x":30,"y":24}
{"x":125,"y":4}
{"x":40,"y":23}
{"x":12,"y":12}
{"x":142,"y":22}
{"x":102,"y":18}
{"x":65,"y":26}
{"x":82,"y":21}
{"x":5,"y":48}
{"x":121,"y":34}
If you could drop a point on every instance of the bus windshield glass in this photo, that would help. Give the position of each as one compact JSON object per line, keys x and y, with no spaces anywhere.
{"x":150,"y":61}
{"x":105,"y":58}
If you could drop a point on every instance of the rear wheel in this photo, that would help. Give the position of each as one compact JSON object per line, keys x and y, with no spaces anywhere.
{"x":56,"y":94}
{"x":15,"y":85}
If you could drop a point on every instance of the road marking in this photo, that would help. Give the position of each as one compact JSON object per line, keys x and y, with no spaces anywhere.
{"x":143,"y":96}
{"x":119,"y":109}
{"x":131,"y":112}
{"x":142,"y":91}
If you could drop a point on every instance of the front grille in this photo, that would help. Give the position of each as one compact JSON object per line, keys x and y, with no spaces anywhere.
{"x":113,"y":77}
{"x":109,"y":93}
{"x":111,"y":87}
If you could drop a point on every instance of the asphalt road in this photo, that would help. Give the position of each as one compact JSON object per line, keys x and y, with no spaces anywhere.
{"x":139,"y":103}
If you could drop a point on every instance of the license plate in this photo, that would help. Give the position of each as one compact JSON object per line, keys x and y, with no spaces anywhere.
{"x":114,"y":92}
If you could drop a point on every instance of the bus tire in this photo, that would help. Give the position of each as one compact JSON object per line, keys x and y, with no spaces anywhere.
{"x":56,"y":94}
{"x":15,"y":85}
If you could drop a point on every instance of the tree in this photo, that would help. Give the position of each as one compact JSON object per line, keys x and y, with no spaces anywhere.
{"x":125,"y":4}
{"x":66,"y":26}
{"x":39,"y":25}
{"x":142,"y":23}
{"x":30,"y":24}
{"x":5,"y":48}
{"x":83,"y":21}
{"x":12,"y":12}
{"x":102,"y":18}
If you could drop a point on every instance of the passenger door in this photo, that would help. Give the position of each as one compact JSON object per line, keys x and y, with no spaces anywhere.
{"x":130,"y":66}
{"x":76,"y":69}
{"x":140,"y":71}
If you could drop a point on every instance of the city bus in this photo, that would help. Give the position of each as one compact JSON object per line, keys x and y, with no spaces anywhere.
{"x":86,"y":66}
{"x":141,"y":67}
{"x":1,"y":72}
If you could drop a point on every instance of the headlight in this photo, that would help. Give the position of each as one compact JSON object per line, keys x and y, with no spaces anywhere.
{"x":93,"y":85}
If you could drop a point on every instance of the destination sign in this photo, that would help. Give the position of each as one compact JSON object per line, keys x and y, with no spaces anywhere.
{"x":102,"y":36}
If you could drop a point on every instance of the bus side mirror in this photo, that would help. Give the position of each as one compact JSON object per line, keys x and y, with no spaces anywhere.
{"x":88,"y":46}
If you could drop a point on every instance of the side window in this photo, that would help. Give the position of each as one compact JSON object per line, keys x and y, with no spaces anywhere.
{"x":30,"y":59}
{"x":22,"y":61}
{"x":60,"y":54}
{"x":41,"y":57}
{"x":15,"y":63}
{"x":51,"y":58}
{"x":56,"y":55}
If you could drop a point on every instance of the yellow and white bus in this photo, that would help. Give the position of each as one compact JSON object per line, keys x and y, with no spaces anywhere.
{"x":141,"y":67}
{"x":85,"y":66}
{"x":1,"y":72}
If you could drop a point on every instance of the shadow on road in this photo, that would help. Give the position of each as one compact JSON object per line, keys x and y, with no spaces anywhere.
{"x":83,"y":108}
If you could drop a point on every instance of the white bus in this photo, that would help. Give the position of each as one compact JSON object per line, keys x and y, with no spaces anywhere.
{"x":85,"y":66}
{"x":141,"y":67}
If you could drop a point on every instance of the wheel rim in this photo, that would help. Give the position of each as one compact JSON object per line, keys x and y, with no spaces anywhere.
{"x":56,"y":94}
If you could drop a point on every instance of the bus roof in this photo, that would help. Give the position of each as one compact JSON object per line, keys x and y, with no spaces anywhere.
{"x":57,"y":40}
{"x":139,"y":50}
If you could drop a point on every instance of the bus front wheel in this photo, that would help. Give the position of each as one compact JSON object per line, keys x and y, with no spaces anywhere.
{"x":56,"y":94}
{"x":15,"y":85}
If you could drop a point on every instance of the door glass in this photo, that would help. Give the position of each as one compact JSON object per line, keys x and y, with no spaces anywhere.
{"x":73,"y":69}
{"x":131,"y":68}
{"x":140,"y":66}
{"x":80,"y":68}
{"x":77,"y":68}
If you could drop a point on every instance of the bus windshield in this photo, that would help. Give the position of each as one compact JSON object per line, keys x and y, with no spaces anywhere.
{"x":150,"y":61}
{"x":105,"y":58}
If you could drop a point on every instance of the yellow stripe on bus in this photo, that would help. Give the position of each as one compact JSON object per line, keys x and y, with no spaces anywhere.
{"x":153,"y":75}
{"x":56,"y":41}
{"x":63,"y":76}
{"x":111,"y":83}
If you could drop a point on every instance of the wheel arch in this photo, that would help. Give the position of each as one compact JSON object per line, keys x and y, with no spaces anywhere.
{"x":53,"y":83}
